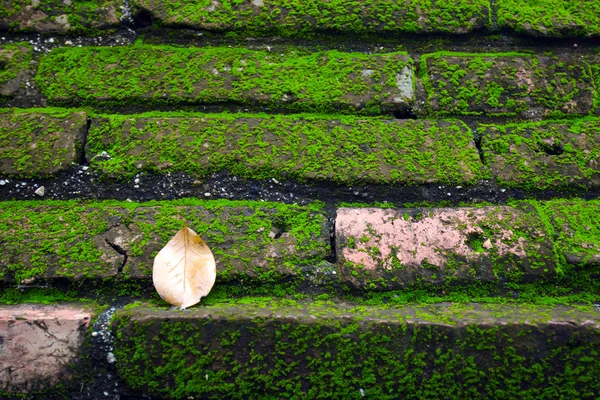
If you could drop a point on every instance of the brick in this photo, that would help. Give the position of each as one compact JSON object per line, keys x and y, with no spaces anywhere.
{"x":40,"y":143}
{"x":294,"y":349}
{"x":14,"y":61}
{"x":38,"y":343}
{"x":298,"y":18}
{"x":347,"y":150}
{"x":551,"y":18}
{"x":576,"y":229}
{"x":328,"y":81}
{"x":57,"y":16}
{"x":250,"y":240}
{"x":391,"y":249}
{"x":544,"y":154}
{"x":508,"y":84}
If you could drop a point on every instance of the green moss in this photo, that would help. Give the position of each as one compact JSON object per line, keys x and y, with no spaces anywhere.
{"x":14,"y":60}
{"x":506,"y":84}
{"x":320,"y":350}
{"x":341,"y":149}
{"x":542,"y":155}
{"x":82,"y":17}
{"x":294,"y":80}
{"x":302,"y":19}
{"x":550,"y":18}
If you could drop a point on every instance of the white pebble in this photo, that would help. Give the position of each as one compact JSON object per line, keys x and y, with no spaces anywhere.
{"x":110,"y":357}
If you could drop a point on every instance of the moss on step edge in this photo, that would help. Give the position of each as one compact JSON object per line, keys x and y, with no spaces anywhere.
{"x":325,"y":350}
{"x":14,"y":60}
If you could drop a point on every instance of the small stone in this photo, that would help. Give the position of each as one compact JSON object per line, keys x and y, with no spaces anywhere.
{"x":68,"y":43}
{"x":110,"y":357}
{"x":40,"y":191}
{"x":2,"y":182}
{"x":487,"y":244}
{"x":207,"y":194}
{"x":94,"y":334}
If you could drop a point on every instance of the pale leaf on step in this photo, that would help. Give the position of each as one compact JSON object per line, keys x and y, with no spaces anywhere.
{"x":184,"y":270}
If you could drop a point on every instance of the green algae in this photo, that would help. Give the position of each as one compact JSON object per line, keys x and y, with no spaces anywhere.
{"x":323,"y":350}
{"x":294,"y":80}
{"x":302,"y":19}
{"x":550,"y":18}
{"x":342,"y":149}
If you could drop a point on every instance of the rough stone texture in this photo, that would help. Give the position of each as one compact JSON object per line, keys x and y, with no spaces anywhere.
{"x":551,"y":18}
{"x":260,"y":240}
{"x":14,"y":60}
{"x":59,"y":16}
{"x":328,"y":81}
{"x":38,"y":343}
{"x":543,"y":155}
{"x":508,"y":84}
{"x":346,"y":150}
{"x":294,"y":349}
{"x":299,"y":18}
{"x":39,"y":143}
{"x":390,"y":249}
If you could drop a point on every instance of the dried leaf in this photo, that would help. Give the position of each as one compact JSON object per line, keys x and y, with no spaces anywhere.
{"x":184,"y":270}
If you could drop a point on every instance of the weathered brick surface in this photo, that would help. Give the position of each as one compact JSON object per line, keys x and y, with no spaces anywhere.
{"x":38,"y":343}
{"x":551,"y":18}
{"x":346,"y":150}
{"x":40,"y":143}
{"x":14,"y":61}
{"x":299,"y":18}
{"x":323,"y":81}
{"x":99,"y":240}
{"x":508,"y":84}
{"x":295,"y":349}
{"x":543,"y":155}
{"x":390,"y":249}
{"x":59,"y":16}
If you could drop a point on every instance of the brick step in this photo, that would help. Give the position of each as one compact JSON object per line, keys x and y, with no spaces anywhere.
{"x":345,"y":150}
{"x":61,"y":17}
{"x":14,"y":62}
{"x":510,"y":84}
{"x":377,"y":249}
{"x":317,"y":82}
{"x":250,"y":240}
{"x":305,"y":18}
{"x":294,"y":349}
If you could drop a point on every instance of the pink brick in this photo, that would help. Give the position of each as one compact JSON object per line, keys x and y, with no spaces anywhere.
{"x":38,"y":342}
{"x":387,"y":249}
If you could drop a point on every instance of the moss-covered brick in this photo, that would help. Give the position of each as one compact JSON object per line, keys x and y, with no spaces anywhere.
{"x":266,"y":241}
{"x":40,"y":142}
{"x":508,"y":84}
{"x":14,"y":61}
{"x":387,"y":249}
{"x":551,"y":18}
{"x":323,"y":81}
{"x":60,"y":16}
{"x":575,"y":227}
{"x":303,"y":18}
{"x":342,"y":149}
{"x":298,"y":350}
{"x":543,"y":155}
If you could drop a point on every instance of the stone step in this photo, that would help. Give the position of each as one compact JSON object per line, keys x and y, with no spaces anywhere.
{"x":40,"y":142}
{"x":543,"y":155}
{"x":387,"y":249}
{"x":328,"y":81}
{"x":14,"y":62}
{"x":550,"y":18}
{"x":250,"y":240}
{"x":547,"y":242}
{"x":60,"y":17}
{"x":345,"y":150}
{"x":300,"y":19}
{"x":293,"y":349}
{"x":510,"y":84}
